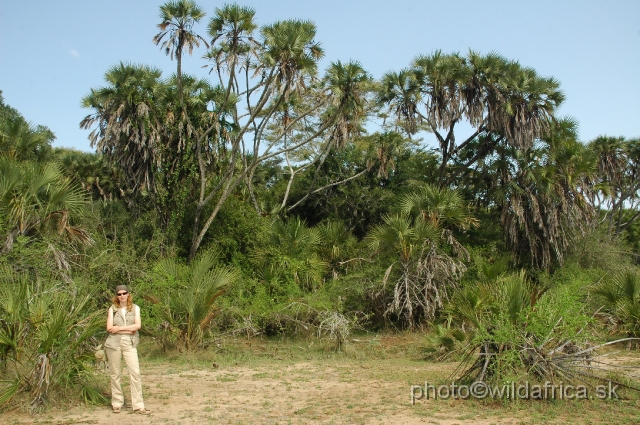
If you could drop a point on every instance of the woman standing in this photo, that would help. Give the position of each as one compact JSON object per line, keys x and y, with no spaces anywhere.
{"x":123,"y":323}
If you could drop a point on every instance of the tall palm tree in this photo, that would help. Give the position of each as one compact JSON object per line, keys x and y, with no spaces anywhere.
{"x":401,"y":92}
{"x":290,"y":49}
{"x":231,"y":31}
{"x":543,"y":195}
{"x":618,"y":182}
{"x":178,"y":18}
{"x":279,"y":92}
{"x":349,"y":84}
{"x":128,"y":121}
{"x":497,"y":97}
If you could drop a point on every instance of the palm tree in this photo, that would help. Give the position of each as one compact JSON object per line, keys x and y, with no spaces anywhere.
{"x":400,"y":91}
{"x":618,"y":182}
{"x":231,"y":32}
{"x":129,"y":123}
{"x":543,"y":194}
{"x":22,"y":141}
{"x":619,"y":297}
{"x":439,"y":207}
{"x":336,"y":244}
{"x":425,"y":271}
{"x":190,"y":293}
{"x":33,"y":196}
{"x":349,"y":84}
{"x":290,"y":49}
{"x":292,"y":255}
{"x":42,"y":332}
{"x":178,"y":18}
{"x":416,"y":237}
{"x":496,"y":96}
{"x":282,"y":93}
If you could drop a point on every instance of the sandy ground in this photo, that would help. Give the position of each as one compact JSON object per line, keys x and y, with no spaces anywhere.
{"x":300,"y":393}
{"x":330,"y":390}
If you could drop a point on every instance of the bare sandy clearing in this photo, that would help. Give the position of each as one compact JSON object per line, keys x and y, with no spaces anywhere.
{"x":282,"y":384}
{"x":301,"y":393}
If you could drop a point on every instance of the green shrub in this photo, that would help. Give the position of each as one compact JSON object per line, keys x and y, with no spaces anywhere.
{"x":618,"y":298}
{"x":46,"y":329}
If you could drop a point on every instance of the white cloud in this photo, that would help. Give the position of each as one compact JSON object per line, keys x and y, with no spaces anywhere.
{"x":75,"y":53}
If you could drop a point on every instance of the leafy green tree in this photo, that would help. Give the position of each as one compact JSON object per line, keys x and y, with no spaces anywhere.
{"x":371,"y":171}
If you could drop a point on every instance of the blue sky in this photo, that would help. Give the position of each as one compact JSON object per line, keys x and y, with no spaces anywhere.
{"x":52,"y":52}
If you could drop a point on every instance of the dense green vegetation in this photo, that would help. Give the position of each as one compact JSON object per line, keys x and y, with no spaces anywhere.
{"x":254,"y":200}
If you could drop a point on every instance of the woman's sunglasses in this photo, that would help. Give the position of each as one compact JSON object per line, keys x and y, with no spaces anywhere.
{"x":122,"y":293}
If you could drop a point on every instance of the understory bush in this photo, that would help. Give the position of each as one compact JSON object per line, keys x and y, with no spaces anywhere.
{"x":510,"y":330}
{"x":46,"y":333}
{"x":617,"y":300}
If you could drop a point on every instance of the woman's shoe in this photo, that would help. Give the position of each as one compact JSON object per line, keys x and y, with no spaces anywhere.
{"x":116,"y":409}
{"x":142,"y":411}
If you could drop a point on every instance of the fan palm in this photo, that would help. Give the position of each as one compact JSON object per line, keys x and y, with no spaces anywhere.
{"x":336,"y":242}
{"x":290,"y":49}
{"x":544,"y":201}
{"x":292,"y":254}
{"x":425,"y":272}
{"x":35,"y":195}
{"x":620,"y":297}
{"x":128,"y":123}
{"x":231,"y":32}
{"x":440,"y":207}
{"x":401,"y":92}
{"x":618,"y":180}
{"x":496,"y":96}
{"x":21,"y":141}
{"x":191,"y":292}
{"x":349,"y":84}
{"x":176,"y":29}
{"x":43,"y":331}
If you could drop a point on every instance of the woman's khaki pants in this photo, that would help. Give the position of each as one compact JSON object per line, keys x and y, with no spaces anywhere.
{"x":114,"y":357}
